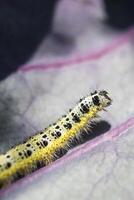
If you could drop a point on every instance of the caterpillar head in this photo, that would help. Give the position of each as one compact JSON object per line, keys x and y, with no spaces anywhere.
{"x":105,"y":98}
{"x":101,"y":98}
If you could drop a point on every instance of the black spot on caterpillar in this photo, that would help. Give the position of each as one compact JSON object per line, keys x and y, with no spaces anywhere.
{"x":52,"y":143}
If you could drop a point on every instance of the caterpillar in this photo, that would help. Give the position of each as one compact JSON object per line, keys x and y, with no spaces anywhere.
{"x":53,"y":142}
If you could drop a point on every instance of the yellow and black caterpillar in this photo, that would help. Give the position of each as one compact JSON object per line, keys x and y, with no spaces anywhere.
{"x":53,"y":142}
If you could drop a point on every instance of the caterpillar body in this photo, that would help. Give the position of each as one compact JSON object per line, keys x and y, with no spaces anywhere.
{"x":53,"y":142}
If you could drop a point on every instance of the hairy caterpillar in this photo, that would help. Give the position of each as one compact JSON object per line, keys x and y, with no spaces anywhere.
{"x":53,"y":142}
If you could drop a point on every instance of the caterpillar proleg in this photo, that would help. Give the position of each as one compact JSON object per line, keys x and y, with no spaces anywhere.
{"x":53,"y":142}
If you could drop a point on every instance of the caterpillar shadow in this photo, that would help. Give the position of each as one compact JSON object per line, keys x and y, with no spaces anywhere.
{"x":96,"y":130}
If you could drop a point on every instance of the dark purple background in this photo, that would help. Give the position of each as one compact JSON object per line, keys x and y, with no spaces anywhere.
{"x":23,"y":25}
